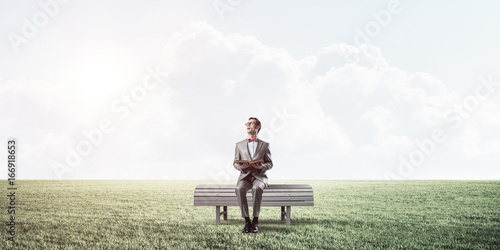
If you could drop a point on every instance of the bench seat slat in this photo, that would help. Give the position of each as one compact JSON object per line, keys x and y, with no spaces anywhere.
{"x":249,"y":194}
{"x":265,"y":204}
{"x":275,"y":186}
{"x":267,"y":190}
{"x":249,"y":199}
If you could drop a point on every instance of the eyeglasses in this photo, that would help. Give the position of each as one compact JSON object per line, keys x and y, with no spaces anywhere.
{"x":250,"y":123}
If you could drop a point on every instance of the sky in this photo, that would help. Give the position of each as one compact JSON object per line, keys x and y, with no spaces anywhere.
{"x":351,"y":90}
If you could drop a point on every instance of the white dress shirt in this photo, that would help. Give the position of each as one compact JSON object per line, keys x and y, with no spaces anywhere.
{"x":251,"y":148}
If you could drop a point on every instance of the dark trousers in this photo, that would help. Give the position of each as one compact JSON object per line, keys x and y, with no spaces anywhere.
{"x":257,"y":187}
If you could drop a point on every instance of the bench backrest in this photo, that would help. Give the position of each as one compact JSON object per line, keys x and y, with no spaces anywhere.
{"x":274,"y":195}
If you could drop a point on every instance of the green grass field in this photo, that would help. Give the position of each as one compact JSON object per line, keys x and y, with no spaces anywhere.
{"x":346,"y":214}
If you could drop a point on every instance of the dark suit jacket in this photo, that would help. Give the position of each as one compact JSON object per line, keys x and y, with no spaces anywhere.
{"x":261,"y":152}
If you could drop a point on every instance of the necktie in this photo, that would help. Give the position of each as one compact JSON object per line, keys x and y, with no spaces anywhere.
{"x":254,"y":139}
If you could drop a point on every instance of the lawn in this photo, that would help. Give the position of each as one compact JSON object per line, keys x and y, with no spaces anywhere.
{"x":346,"y":214}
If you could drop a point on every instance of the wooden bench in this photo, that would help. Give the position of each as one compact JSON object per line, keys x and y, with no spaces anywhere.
{"x":276,"y":195}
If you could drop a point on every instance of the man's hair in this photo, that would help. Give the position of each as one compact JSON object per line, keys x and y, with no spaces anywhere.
{"x":257,"y":123}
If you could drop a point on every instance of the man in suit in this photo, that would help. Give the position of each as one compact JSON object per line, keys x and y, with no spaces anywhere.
{"x":252,"y":176}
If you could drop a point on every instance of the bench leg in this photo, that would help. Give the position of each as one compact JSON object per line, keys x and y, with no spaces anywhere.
{"x":288,"y":215}
{"x":225,"y":212}
{"x":217,"y":215}
{"x":282,"y":213}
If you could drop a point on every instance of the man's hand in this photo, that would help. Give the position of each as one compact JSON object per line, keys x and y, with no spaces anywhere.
{"x":245,"y":165}
{"x":257,"y":165}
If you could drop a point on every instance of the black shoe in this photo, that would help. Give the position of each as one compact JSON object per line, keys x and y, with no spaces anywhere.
{"x":255,"y":228}
{"x":247,"y":228}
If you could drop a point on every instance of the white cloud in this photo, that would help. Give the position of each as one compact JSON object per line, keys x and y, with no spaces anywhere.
{"x":380,"y":118}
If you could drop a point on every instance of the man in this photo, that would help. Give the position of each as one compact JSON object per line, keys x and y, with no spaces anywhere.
{"x":253,"y":176}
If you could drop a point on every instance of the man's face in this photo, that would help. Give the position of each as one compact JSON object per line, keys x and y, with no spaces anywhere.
{"x":252,"y":127}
